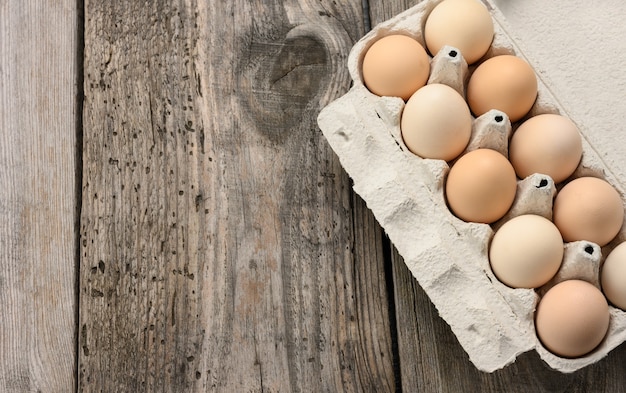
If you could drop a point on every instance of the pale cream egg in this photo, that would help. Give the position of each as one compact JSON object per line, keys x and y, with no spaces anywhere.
{"x":436,"y":123}
{"x":613,"y":276}
{"x":463,"y":24}
{"x":526,"y":252}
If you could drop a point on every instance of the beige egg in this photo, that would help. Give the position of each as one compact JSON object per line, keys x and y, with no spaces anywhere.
{"x":481,"y":186}
{"x":589,"y":209}
{"x":526,"y":252}
{"x":613,"y":276}
{"x":463,"y":24}
{"x":396,"y":66}
{"x":572,"y":318}
{"x":436,"y":123}
{"x":506,"y":83}
{"x":548,"y":144}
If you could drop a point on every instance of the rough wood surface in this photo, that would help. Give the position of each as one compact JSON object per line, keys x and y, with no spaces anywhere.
{"x":222,"y":248}
{"x":38,"y":98}
{"x":432,"y":360}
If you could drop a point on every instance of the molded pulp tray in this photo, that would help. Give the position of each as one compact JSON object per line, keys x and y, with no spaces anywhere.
{"x":449,"y":257}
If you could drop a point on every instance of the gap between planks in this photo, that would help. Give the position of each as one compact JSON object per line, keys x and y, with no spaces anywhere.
{"x":78,"y":169}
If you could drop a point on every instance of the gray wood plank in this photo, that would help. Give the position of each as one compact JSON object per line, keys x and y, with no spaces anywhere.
{"x":432,"y":360}
{"x":38,"y":101}
{"x":222,"y":247}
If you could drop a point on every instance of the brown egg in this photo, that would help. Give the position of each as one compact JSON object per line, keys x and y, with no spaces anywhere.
{"x":481,"y":186}
{"x":589,"y":209}
{"x":463,"y":24}
{"x":506,"y":83}
{"x":396,"y":66}
{"x":547,"y":144}
{"x":436,"y":123}
{"x":572,"y":318}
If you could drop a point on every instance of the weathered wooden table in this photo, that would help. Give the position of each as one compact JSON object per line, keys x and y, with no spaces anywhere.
{"x":171,"y":218}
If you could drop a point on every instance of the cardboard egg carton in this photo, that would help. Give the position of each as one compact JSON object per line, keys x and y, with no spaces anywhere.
{"x":449,"y":257}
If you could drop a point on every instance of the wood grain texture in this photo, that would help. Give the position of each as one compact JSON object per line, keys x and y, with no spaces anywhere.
{"x":432,"y":360}
{"x":38,"y":93}
{"x":222,"y":248}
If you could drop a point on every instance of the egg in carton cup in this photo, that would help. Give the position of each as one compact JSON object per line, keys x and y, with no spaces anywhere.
{"x":449,"y":257}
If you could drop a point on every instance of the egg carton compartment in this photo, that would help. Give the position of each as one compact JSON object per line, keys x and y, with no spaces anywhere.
{"x":449,"y":257}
